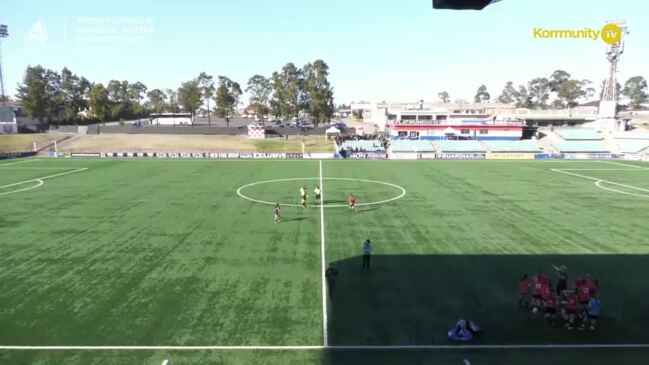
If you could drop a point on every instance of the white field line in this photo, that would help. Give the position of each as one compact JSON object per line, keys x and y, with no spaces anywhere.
{"x":599,"y":185}
{"x":241,"y":188}
{"x":44,"y":177}
{"x":37,"y":168}
{"x":165,"y":362}
{"x":17,"y":162}
{"x":598,"y":179}
{"x":39,"y":181}
{"x":325,"y":332}
{"x":627,"y":165}
{"x":333,"y":347}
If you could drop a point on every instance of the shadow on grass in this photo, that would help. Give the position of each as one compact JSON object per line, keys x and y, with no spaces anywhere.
{"x":333,"y":201}
{"x":415,"y":299}
{"x":294,"y":219}
{"x":367,"y":210}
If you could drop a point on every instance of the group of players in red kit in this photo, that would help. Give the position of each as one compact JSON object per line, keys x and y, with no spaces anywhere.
{"x":351,"y":201}
{"x":578,"y":306}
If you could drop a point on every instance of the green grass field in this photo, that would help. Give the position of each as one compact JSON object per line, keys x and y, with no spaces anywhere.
{"x":167,"y":253}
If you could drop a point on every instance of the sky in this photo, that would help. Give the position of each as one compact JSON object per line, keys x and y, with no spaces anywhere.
{"x":395,"y":50}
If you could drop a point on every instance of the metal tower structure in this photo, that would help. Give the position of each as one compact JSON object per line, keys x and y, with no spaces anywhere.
{"x":613,"y":53}
{"x":4,"y":33}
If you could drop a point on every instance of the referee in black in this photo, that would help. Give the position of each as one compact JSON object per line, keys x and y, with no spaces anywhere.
{"x":330,"y":275}
{"x":367,"y":253}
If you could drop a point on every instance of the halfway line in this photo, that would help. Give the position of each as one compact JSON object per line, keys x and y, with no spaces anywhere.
{"x":325,"y":333}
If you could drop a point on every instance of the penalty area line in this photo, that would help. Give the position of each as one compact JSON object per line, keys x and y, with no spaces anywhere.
{"x":332,"y":347}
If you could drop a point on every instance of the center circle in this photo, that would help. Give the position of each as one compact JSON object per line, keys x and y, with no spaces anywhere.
{"x":401,"y":189}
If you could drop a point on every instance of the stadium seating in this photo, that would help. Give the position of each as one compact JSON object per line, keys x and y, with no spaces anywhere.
{"x":365,"y":146}
{"x":400,"y":145}
{"x":512,"y":146}
{"x":632,"y":145}
{"x":580,"y":146}
{"x":579,"y":134}
{"x":459,"y":146}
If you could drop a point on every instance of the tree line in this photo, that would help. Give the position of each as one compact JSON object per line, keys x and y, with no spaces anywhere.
{"x":291,"y":92}
{"x":564,"y":91}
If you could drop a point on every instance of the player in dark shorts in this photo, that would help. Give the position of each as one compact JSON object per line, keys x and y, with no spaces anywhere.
{"x":317,"y":193}
{"x":562,"y":284}
{"x":303,"y":196}
{"x":330,"y":275}
{"x":278,"y":213}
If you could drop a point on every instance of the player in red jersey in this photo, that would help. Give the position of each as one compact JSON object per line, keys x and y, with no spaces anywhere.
{"x":592,"y":284}
{"x":538,"y":282}
{"x":583,"y":292}
{"x":352,"y":202}
{"x":278,"y":213}
{"x":569,"y":311}
{"x":523,"y":288}
{"x":550,"y":306}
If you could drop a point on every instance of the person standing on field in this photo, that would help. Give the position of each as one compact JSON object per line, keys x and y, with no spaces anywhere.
{"x":317,"y":193}
{"x":303,"y":196}
{"x":367,"y":254}
{"x":330,"y":275}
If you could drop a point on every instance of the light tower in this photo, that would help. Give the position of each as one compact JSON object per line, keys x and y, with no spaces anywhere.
{"x":4,"y":33}
{"x":608,"y":103}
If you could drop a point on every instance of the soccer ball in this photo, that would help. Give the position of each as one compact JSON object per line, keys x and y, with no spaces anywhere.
{"x":534,"y":310}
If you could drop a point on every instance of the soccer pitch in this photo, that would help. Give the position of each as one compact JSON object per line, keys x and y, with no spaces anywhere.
{"x":142,"y":261}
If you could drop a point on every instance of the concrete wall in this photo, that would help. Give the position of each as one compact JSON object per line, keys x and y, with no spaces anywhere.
{"x":203,"y":130}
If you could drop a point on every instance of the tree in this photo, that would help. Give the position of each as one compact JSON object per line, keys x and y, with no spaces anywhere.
{"x":99,"y":102}
{"x":206,"y":84}
{"x":32,"y":92}
{"x":482,"y":95}
{"x":172,"y":105}
{"x":157,"y":100}
{"x":539,"y":92}
{"x":522,"y":97}
{"x":260,"y":89}
{"x":635,"y":89}
{"x":135,"y":92}
{"x":189,"y":96}
{"x":508,"y":94}
{"x":289,"y":91}
{"x":318,"y":94}
{"x":70,"y":94}
{"x":227,"y":98}
{"x":572,"y":90}
{"x":444,"y":97}
{"x":557,"y":79}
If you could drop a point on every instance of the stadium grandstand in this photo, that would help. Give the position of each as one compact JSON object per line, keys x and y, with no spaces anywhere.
{"x":579,"y":134}
{"x":459,"y":146}
{"x":631,"y":142}
{"x":513,"y":146}
{"x":406,"y":145}
{"x":580,"y":146}
{"x":362,"y":146}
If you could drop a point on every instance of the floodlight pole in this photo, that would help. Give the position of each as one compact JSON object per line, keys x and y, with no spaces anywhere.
{"x":3,"y":34}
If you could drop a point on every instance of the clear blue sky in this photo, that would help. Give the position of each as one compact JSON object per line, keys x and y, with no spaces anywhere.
{"x":376,"y":50}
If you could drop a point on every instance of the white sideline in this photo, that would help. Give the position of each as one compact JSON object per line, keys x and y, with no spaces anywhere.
{"x":325,"y":334}
{"x":17,"y":162}
{"x":627,"y":165}
{"x":44,"y":177}
{"x":336,"y":347}
{"x":598,"y":180}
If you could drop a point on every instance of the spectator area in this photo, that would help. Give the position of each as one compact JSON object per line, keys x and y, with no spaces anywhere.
{"x":512,"y":146}
{"x":632,"y":145}
{"x":459,"y":146}
{"x":579,"y":134}
{"x":580,"y":146}
{"x":362,"y":146}
{"x":405,"y":145}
